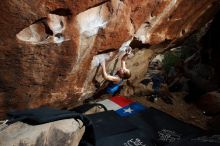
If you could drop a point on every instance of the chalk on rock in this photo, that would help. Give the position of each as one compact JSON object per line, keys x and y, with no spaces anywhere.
{"x":124,"y":46}
{"x":98,"y":59}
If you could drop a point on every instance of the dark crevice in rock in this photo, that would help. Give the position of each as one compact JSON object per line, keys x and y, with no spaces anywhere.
{"x":61,"y":12}
{"x":170,"y":17}
{"x":40,"y":20}
{"x":132,"y":22}
{"x":135,"y":43}
{"x":167,"y":41}
{"x":152,"y":15}
{"x":44,"y":22}
{"x":183,"y":32}
{"x":110,"y":8}
{"x":147,"y":24}
{"x":107,"y":51}
{"x":98,"y":4}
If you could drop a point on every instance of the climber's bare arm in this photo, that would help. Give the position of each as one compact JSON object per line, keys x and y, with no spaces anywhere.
{"x":107,"y":76}
{"x":124,"y":58}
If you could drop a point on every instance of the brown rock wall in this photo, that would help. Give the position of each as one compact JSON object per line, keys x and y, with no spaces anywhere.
{"x":58,"y":74}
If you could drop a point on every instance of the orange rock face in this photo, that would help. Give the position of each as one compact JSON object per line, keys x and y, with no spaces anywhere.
{"x":47,"y":47}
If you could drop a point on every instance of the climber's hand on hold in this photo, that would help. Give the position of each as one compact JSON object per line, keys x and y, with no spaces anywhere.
{"x":128,"y":50}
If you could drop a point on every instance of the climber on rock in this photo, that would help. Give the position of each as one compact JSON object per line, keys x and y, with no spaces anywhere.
{"x":122,"y":74}
{"x":114,"y":80}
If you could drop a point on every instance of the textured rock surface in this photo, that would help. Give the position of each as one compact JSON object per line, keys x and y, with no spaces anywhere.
{"x":41,"y":72}
{"x":64,"y":132}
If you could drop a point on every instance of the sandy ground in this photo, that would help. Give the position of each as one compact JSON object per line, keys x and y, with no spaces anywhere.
{"x":181,"y":110}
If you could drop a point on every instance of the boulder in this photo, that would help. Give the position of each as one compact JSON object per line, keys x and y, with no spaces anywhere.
{"x":47,"y":47}
{"x":66,"y":132}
